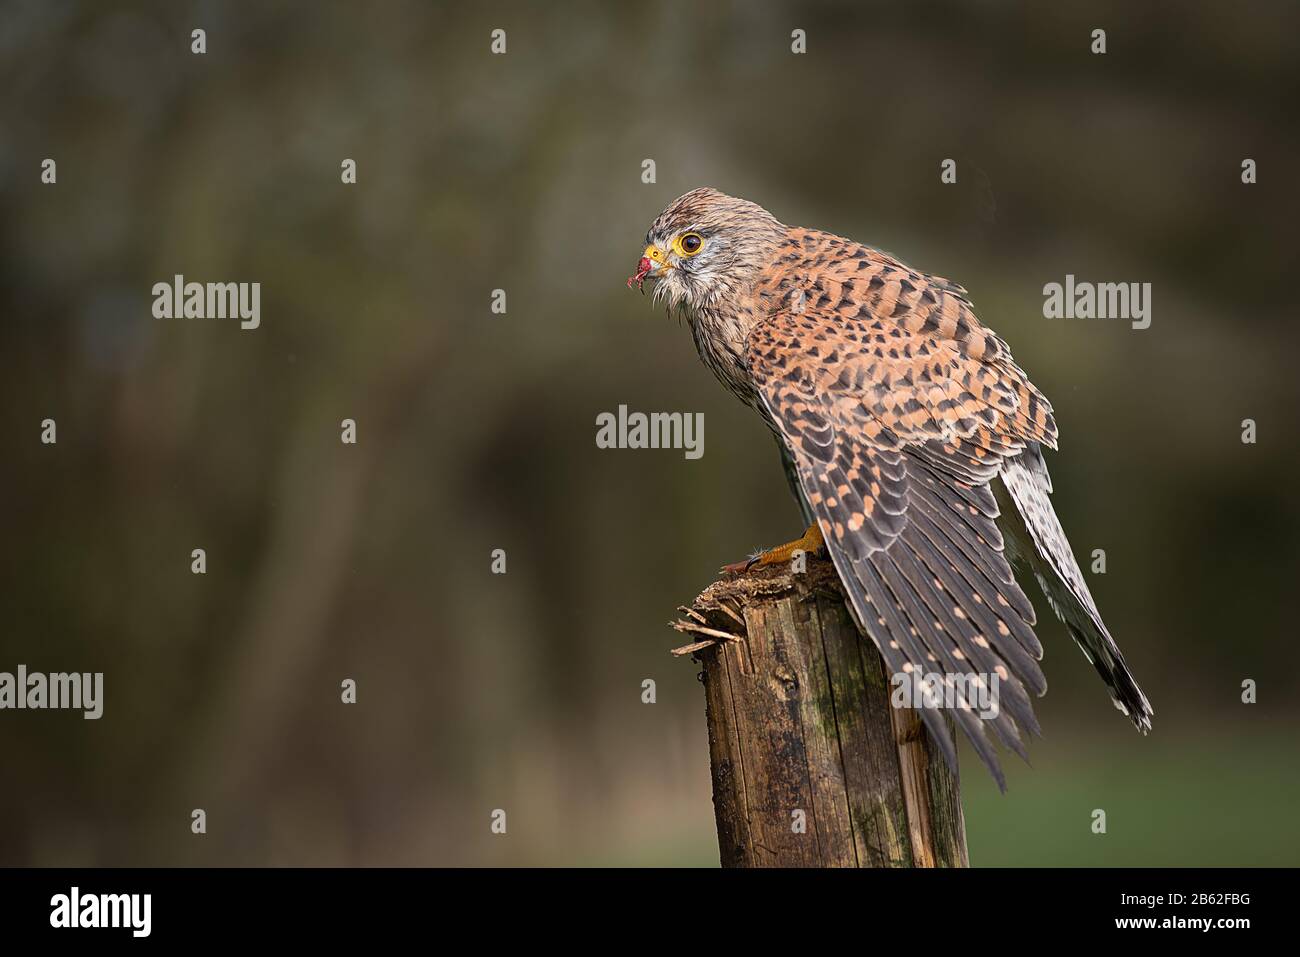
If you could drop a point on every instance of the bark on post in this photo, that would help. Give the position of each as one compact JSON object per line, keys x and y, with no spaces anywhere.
{"x":812,"y":767}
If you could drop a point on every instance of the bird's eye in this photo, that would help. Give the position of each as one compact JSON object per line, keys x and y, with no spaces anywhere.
{"x":688,"y":244}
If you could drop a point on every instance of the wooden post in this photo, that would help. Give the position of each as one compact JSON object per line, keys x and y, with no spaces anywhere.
{"x":812,"y":767}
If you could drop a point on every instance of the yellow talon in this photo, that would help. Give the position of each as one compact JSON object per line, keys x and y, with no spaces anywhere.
{"x":810,"y":543}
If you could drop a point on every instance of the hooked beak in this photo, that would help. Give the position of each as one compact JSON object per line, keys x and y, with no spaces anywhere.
{"x":652,"y":262}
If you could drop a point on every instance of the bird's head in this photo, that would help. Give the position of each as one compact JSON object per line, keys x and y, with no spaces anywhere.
{"x":705,"y":248}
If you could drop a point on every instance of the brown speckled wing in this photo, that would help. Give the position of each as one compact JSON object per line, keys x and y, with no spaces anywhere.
{"x":898,"y":408}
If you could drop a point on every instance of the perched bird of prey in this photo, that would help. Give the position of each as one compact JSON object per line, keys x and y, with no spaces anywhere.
{"x":912,"y":441}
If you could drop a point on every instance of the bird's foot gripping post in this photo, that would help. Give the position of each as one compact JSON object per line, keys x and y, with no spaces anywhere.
{"x":811,"y":765}
{"x":810,"y":543}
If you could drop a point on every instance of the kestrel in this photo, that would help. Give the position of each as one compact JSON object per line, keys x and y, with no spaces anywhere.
{"x":911,"y":439}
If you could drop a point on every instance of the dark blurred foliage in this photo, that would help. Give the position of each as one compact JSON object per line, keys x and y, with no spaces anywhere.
{"x":476,"y":431}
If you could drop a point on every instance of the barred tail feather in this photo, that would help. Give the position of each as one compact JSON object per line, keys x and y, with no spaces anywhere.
{"x":1044,"y":549}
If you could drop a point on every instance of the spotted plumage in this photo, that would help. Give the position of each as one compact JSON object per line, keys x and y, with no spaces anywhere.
{"x":903,"y":422}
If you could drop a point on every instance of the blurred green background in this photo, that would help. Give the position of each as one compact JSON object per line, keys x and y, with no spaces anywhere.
{"x":523,"y":172}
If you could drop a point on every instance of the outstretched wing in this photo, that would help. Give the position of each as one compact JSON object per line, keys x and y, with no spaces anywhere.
{"x":898,"y":409}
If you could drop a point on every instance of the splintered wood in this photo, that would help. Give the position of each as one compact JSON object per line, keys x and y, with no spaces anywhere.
{"x":811,"y":765}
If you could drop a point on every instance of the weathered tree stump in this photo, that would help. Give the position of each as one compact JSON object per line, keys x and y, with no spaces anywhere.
{"x":812,"y":766}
